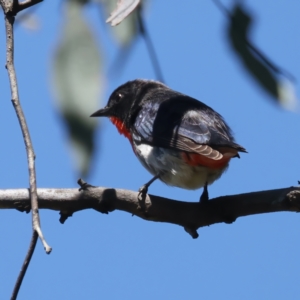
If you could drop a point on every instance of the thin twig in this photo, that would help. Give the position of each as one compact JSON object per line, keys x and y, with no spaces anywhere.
{"x":9,"y":20}
{"x":24,"y":266}
{"x":222,"y":8}
{"x":10,"y":9}
{"x":149,"y":45}
{"x":17,"y":7}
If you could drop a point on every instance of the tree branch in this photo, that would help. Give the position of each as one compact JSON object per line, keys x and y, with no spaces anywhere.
{"x":189,"y":215}
{"x":25,"y":265}
{"x":17,"y":6}
{"x":14,"y":7}
{"x":10,"y":9}
{"x":9,"y":21}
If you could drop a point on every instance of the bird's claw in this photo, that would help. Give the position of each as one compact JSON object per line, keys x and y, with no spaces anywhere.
{"x":143,"y":190}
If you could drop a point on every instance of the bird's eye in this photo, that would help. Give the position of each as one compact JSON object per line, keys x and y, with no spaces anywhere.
{"x":119,"y":96}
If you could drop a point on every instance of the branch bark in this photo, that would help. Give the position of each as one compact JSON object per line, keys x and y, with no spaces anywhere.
{"x":189,"y":215}
{"x":11,"y":9}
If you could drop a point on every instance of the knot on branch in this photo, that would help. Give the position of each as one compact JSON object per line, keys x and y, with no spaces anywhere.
{"x":22,"y":206}
{"x":84,"y":185}
{"x":13,"y":7}
{"x":64,"y":216}
{"x":192,"y":231}
{"x":294,"y":198}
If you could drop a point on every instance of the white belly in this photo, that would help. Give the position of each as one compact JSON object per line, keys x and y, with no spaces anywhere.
{"x":173,"y":170}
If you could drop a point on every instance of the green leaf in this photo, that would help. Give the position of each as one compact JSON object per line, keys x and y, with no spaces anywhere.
{"x":77,"y":83}
{"x":122,"y":10}
{"x":127,"y":30}
{"x":266,"y":73}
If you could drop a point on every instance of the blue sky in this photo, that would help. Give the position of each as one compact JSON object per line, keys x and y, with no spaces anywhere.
{"x":117,"y":256}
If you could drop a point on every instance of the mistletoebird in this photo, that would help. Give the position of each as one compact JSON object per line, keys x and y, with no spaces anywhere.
{"x":178,"y":139}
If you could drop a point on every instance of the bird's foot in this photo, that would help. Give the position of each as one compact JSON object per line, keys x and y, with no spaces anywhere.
{"x":143,"y":190}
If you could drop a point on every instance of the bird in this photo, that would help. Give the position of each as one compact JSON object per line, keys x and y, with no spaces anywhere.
{"x":178,"y":139}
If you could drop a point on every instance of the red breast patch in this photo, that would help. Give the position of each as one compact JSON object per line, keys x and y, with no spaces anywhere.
{"x":121,"y":127}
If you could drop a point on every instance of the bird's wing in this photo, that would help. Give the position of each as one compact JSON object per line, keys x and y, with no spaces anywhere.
{"x":185,"y":124}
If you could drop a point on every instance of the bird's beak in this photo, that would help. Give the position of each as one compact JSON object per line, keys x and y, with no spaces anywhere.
{"x":104,"y":112}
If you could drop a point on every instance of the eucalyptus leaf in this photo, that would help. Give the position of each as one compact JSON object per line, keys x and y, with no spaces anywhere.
{"x":125,"y":32}
{"x":265,"y":72}
{"x":122,"y":10}
{"x":77,"y":82}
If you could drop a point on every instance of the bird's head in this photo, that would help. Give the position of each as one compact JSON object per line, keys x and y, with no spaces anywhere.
{"x":126,"y":100}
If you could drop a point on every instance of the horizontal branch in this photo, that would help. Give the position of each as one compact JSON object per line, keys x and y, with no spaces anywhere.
{"x":190,"y":215}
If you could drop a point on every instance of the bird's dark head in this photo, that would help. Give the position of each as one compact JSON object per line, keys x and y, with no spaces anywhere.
{"x":126,"y":100}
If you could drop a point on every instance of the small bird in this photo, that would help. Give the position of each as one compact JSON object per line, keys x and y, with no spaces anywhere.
{"x":178,"y":139}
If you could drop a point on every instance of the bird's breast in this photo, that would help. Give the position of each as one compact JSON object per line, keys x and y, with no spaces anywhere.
{"x":174,"y":167}
{"x":121,"y":127}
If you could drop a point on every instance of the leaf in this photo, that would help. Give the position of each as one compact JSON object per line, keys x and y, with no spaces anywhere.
{"x":77,"y":83}
{"x":266,"y":73}
{"x":123,"y":9}
{"x":127,"y":30}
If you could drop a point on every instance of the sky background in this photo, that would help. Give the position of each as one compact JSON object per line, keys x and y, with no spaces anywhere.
{"x":118,"y":256}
